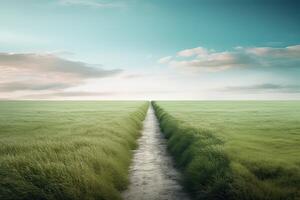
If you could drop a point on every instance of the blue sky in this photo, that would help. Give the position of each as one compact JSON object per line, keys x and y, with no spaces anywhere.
{"x":150,"y":49}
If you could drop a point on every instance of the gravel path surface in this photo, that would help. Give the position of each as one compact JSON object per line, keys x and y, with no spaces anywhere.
{"x":152,"y":174}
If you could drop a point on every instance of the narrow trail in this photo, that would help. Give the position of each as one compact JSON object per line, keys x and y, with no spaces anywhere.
{"x":152,"y":174}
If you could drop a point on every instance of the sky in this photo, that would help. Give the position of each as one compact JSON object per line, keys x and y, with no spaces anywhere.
{"x":150,"y":49}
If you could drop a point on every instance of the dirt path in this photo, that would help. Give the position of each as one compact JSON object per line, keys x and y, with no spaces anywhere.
{"x":152,"y":174}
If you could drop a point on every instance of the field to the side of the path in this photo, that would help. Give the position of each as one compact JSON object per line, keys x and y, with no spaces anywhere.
{"x":235,"y":149}
{"x":67,"y":150}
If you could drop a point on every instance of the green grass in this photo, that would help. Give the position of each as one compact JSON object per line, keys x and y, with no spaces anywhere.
{"x":67,"y":150}
{"x":235,"y":149}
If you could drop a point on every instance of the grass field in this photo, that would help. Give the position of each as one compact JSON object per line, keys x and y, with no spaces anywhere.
{"x":235,"y":150}
{"x":67,"y":150}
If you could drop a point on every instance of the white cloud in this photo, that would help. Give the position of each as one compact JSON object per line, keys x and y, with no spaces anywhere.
{"x":198,"y":51}
{"x":202,"y":59}
{"x":165,"y":60}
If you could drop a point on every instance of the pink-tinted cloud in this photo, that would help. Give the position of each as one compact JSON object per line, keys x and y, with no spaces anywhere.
{"x":39,"y":72}
{"x":202,"y":59}
{"x":198,"y":51}
{"x":286,"y":52}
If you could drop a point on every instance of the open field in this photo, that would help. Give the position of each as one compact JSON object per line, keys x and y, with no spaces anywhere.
{"x":235,"y":150}
{"x":67,"y":150}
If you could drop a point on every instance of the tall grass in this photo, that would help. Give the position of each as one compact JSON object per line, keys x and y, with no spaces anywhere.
{"x":235,"y":150}
{"x":199,"y":154}
{"x":67,"y":150}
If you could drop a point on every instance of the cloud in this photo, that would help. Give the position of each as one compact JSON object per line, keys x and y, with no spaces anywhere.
{"x":199,"y":51}
{"x":214,"y":62}
{"x":165,"y":60}
{"x":209,"y":60}
{"x":287,"y":52}
{"x":50,"y":63}
{"x":39,"y":72}
{"x":266,"y":87}
{"x":61,"y":53}
{"x":90,"y":3}
{"x":28,"y":85}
